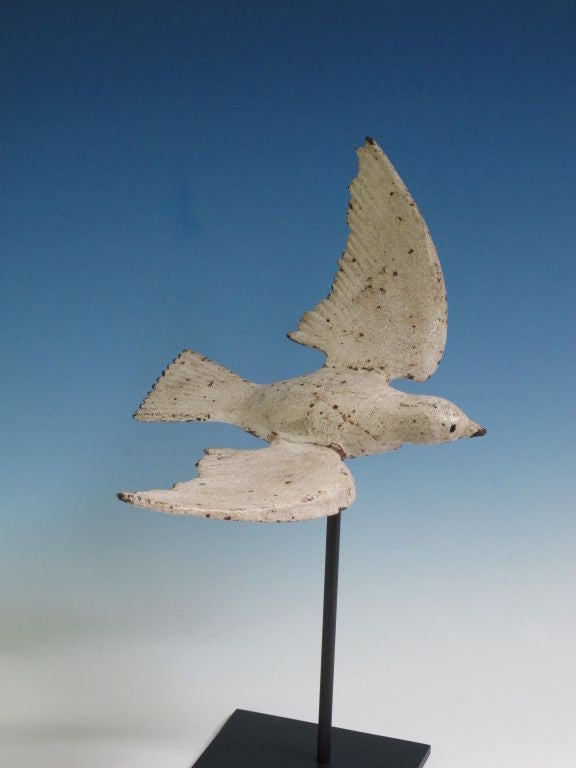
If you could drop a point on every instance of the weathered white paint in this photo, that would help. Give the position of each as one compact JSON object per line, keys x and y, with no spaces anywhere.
{"x":282,"y":482}
{"x":387,"y":309}
{"x":384,"y":319}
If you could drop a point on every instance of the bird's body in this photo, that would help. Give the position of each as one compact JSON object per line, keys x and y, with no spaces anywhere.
{"x":356,"y":412}
{"x":384,"y":319}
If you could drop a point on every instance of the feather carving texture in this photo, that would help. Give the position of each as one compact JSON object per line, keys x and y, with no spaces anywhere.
{"x":280,"y":483}
{"x":387,"y":309}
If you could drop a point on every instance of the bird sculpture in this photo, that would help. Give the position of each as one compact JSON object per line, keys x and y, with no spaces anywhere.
{"x":384,"y":319}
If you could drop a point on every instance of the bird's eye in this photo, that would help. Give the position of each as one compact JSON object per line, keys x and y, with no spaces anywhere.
{"x":453,"y":428}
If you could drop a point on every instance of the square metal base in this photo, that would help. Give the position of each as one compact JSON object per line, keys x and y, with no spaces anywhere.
{"x":253,"y":740}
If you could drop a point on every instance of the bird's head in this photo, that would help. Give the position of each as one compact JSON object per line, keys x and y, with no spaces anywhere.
{"x":437,"y":420}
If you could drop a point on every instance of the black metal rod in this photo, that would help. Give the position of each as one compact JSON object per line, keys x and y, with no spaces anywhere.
{"x":328,"y":639}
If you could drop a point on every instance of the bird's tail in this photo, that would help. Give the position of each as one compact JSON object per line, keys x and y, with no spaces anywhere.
{"x":193,"y":388}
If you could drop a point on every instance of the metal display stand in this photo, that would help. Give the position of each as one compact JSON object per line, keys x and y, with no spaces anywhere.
{"x":254,"y":740}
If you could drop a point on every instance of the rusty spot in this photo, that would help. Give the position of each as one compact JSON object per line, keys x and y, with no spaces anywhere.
{"x":339,"y":450}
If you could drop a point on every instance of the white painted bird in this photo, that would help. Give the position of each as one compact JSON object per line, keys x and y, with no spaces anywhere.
{"x":384,"y":319}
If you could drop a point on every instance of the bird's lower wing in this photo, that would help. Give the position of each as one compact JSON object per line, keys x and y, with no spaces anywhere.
{"x":280,"y":483}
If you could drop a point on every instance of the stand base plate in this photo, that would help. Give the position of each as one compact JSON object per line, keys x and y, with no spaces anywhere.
{"x":253,"y":740}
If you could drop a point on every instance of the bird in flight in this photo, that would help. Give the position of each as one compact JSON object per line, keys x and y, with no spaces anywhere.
{"x":384,"y":319}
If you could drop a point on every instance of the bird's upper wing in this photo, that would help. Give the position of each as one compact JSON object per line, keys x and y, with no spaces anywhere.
{"x":280,"y":483}
{"x":387,"y":309}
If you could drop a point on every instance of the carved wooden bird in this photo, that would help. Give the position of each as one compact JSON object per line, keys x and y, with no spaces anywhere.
{"x":384,"y":319}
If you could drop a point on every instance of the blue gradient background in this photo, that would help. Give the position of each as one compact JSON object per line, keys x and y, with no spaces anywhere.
{"x":174,"y":175}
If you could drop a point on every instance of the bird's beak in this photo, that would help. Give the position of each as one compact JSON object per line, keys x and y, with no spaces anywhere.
{"x":479,"y":432}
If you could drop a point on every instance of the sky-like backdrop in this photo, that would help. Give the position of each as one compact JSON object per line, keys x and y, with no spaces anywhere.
{"x":174,"y":175}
